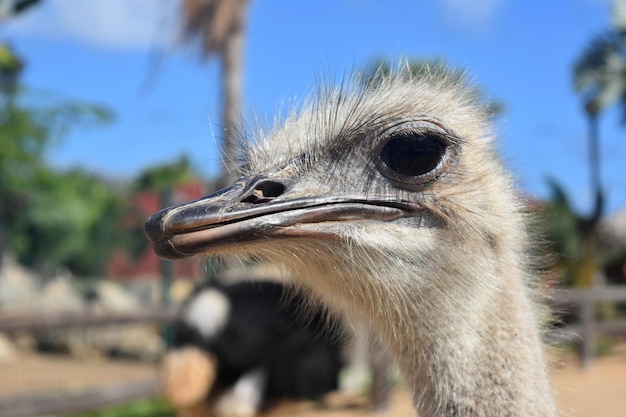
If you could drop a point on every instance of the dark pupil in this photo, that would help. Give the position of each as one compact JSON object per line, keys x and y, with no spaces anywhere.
{"x":412,"y":155}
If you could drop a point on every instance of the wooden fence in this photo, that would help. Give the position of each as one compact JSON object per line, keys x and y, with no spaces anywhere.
{"x":588,"y":328}
{"x":585,"y":332}
{"x":54,"y":402}
{"x":12,"y":323}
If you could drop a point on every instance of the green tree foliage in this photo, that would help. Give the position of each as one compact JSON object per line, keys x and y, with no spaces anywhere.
{"x":67,"y":219}
{"x":166,"y":176}
{"x":30,"y":126}
{"x":572,"y":239}
{"x":48,"y":218}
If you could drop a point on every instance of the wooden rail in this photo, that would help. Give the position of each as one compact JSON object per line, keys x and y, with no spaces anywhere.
{"x":587,"y":330}
{"x":12,"y":323}
{"x":611,"y":293}
{"x":54,"y":402}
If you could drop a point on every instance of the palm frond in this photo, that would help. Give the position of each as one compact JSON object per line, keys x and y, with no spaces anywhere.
{"x":600,"y":72}
{"x":212,"y":22}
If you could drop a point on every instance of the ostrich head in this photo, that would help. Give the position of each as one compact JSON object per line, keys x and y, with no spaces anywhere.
{"x":388,"y":201}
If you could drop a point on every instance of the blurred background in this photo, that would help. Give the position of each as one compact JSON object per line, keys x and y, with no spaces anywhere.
{"x":112,"y":109}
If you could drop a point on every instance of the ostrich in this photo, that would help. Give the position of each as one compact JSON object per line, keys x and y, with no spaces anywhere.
{"x":388,"y":202}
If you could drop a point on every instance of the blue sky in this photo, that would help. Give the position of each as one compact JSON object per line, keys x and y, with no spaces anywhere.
{"x":520,"y":52}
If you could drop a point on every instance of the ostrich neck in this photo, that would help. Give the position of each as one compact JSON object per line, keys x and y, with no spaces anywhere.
{"x":484,"y":359}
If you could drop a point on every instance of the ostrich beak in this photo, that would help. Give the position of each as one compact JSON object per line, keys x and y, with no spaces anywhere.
{"x":257,"y":208}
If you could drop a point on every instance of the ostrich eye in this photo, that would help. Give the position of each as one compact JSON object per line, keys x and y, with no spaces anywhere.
{"x":412,"y":154}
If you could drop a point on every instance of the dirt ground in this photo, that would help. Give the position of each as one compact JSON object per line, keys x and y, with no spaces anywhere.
{"x":30,"y":373}
{"x":599,"y":391}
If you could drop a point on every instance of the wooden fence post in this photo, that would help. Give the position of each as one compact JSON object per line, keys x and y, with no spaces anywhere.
{"x":587,"y":331}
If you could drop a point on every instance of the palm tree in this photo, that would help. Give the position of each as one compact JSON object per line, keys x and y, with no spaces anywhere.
{"x":600,"y":76}
{"x":218,"y":27}
{"x":10,"y":8}
{"x":573,"y":248}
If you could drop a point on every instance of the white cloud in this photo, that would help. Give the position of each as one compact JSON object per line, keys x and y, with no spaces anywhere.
{"x":108,"y":23}
{"x":477,"y":16}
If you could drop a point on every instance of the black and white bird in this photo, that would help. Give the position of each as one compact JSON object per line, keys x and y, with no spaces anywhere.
{"x":265,"y":348}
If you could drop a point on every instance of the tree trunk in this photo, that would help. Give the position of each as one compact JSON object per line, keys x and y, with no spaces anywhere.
{"x":594,"y":166}
{"x":232,"y":82}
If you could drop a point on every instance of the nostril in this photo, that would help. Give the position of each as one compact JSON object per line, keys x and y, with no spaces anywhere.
{"x":264,"y":191}
{"x":270,"y":189}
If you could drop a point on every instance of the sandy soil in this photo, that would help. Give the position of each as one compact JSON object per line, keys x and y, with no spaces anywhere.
{"x":30,"y":373}
{"x":599,"y":391}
